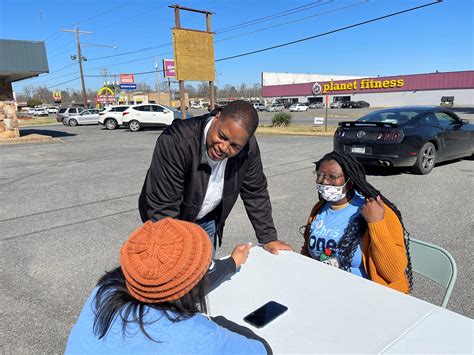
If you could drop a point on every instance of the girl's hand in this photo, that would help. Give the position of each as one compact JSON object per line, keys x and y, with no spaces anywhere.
{"x":373,"y":210}
{"x":241,"y":253}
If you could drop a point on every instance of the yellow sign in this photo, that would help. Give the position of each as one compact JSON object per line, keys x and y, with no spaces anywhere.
{"x":193,"y":55}
{"x":364,"y":84}
{"x":105,"y":88}
{"x":57,"y":95}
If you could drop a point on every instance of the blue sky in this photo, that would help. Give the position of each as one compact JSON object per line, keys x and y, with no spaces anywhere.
{"x":438,"y":37}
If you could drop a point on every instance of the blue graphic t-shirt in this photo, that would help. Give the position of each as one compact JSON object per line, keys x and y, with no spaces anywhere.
{"x":328,"y":228}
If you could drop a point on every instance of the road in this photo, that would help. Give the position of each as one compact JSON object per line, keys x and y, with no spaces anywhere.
{"x":66,"y":208}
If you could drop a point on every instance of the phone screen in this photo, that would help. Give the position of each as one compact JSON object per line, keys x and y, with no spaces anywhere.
{"x":265,"y":314}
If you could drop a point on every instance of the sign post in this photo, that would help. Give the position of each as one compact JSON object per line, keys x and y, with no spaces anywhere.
{"x":127,"y":82}
{"x":169,"y":72}
{"x":193,"y":54}
{"x":326,"y":117}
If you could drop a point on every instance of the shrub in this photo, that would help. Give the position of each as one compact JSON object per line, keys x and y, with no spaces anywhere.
{"x":33,"y":102}
{"x":281,"y":119}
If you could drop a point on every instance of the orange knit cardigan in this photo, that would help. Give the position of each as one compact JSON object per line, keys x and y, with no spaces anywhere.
{"x":383,"y":249}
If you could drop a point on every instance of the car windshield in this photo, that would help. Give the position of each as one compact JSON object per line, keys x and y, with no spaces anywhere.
{"x":62,"y":110}
{"x":395,"y":116}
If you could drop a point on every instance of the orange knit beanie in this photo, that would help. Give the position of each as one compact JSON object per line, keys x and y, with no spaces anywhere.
{"x":162,"y":261}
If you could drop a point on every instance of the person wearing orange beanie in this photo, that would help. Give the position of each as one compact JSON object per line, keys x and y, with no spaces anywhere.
{"x":155,"y":301}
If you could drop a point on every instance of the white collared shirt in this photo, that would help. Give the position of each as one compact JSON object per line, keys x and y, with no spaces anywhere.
{"x":216,"y":181}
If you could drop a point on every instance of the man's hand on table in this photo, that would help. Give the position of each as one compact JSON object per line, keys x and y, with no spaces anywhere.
{"x":241,"y":253}
{"x":276,"y":245}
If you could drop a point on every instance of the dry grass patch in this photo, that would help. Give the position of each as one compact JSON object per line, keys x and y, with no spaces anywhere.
{"x":296,"y":130}
{"x":27,"y":121}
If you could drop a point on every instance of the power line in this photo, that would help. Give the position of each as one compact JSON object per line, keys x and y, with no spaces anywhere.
{"x":131,"y":52}
{"x":103,"y":13}
{"x":62,"y":46}
{"x":48,"y":87}
{"x":122,"y":21}
{"x":65,"y":82}
{"x":274,"y":16}
{"x":231,"y":28}
{"x":293,"y":21}
{"x":329,"y":32}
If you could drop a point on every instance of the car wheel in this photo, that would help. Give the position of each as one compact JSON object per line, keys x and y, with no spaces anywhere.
{"x":110,"y":123}
{"x":426,"y":159}
{"x":134,"y":126}
{"x":73,"y":122}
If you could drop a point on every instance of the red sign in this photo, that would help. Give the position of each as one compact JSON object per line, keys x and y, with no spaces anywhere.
{"x":104,"y":99}
{"x":127,"y":79}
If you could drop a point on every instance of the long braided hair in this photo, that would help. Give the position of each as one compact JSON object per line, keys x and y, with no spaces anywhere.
{"x":352,"y":237}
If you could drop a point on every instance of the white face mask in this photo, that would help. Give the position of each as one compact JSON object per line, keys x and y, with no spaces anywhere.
{"x":331,"y":193}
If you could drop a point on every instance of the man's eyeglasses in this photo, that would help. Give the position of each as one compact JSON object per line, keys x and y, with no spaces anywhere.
{"x":319,"y":177}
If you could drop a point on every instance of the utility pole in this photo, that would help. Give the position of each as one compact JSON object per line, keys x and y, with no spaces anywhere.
{"x":157,"y":80}
{"x":80,"y":59}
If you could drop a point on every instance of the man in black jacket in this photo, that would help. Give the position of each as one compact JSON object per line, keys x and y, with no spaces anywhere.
{"x":201,"y":165}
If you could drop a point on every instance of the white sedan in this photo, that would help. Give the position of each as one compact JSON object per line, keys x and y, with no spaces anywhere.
{"x":138,"y":116}
{"x":85,"y":117}
{"x":298,"y":108}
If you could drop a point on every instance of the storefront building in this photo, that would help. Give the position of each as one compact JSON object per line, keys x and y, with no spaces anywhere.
{"x":19,"y":60}
{"x":387,"y":91}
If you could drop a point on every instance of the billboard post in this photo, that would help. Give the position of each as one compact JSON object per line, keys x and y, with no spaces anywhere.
{"x":169,"y":72}
{"x":193,"y":54}
{"x":326,"y":118}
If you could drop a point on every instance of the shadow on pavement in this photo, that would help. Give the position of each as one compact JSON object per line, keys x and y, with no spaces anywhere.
{"x":45,"y":132}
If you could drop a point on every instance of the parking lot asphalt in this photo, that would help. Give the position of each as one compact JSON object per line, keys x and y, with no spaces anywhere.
{"x":65,"y":209}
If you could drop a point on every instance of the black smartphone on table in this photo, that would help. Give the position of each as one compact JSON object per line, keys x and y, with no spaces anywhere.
{"x":265,"y":314}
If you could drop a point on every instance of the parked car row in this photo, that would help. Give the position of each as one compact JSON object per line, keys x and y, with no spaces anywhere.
{"x":40,"y":111}
{"x":135,"y":117}
{"x":349,"y":104}
{"x":316,"y":105}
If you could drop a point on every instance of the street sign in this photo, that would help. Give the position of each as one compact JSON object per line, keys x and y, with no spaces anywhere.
{"x":128,"y":86}
{"x":127,"y":79}
{"x":318,"y":120}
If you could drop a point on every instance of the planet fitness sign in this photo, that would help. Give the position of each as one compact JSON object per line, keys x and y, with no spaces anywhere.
{"x":359,"y":84}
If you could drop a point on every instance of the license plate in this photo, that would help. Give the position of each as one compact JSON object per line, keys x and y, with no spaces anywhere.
{"x":359,"y":150}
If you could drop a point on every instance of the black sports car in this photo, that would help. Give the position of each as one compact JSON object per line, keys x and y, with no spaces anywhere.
{"x":415,"y":136}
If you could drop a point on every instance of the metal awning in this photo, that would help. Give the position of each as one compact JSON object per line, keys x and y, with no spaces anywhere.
{"x":22,"y":59}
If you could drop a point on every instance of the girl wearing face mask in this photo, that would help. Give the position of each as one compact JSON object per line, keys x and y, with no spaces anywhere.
{"x":354,"y":227}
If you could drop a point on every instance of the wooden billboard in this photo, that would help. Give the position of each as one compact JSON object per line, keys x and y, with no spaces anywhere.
{"x":193,"y":55}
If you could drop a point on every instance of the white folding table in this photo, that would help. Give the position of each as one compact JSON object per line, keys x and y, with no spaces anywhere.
{"x":332,"y":311}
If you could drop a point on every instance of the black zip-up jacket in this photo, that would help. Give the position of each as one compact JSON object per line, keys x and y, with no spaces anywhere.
{"x":176,"y":182}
